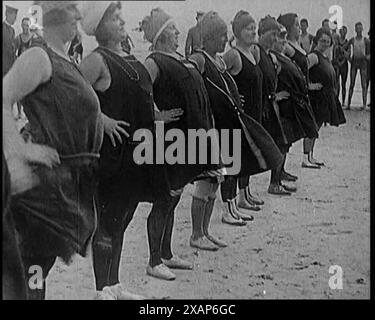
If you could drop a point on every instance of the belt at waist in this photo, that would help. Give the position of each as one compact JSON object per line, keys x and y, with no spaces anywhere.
{"x":79,"y":160}
{"x":69,"y":164}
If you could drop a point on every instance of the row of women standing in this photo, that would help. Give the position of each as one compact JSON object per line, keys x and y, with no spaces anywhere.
{"x":82,"y":120}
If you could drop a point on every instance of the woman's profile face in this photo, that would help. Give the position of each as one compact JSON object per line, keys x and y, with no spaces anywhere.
{"x":296,"y":28}
{"x":114,"y":26}
{"x":170,"y":36}
{"x":248,"y":34}
{"x":218,"y":41}
{"x":279,"y":44}
{"x":70,"y":28}
{"x":269,"y":38}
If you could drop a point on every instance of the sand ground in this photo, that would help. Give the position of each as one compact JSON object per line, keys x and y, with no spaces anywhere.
{"x":285,"y":253}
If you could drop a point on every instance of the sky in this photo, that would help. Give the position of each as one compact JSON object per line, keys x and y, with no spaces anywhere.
{"x":184,"y":12}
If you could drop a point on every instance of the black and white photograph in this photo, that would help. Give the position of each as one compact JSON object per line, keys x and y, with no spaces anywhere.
{"x":186,"y":150}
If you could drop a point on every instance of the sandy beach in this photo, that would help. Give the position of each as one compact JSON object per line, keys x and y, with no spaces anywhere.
{"x":285,"y":253}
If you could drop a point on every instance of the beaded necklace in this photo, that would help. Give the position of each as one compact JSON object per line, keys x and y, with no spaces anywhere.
{"x":135,"y":76}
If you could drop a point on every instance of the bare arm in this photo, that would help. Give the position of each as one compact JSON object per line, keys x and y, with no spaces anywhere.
{"x":312,"y":60}
{"x":199,"y":61}
{"x":94,"y":69}
{"x":28,"y":72}
{"x":233,"y":61}
{"x":166,"y":115}
{"x":32,"y":69}
{"x":289,"y":50}
{"x":256,"y":52}
{"x":152,"y":69}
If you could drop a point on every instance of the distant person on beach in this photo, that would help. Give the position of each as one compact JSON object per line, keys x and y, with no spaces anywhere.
{"x":23,"y":42}
{"x":305,"y":38}
{"x":37,"y":34}
{"x":194,"y":38}
{"x":325,"y":24}
{"x":341,"y":56}
{"x":9,"y":43}
{"x":24,"y":39}
{"x":360,"y":54}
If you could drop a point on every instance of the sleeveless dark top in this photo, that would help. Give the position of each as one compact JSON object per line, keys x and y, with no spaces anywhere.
{"x":296,"y":112}
{"x":325,"y":103}
{"x":64,"y":113}
{"x":57,"y":217}
{"x":128,"y":98}
{"x":302,"y":62}
{"x":180,"y":85}
{"x":273,"y":123}
{"x":258,"y":150}
{"x":249,"y":82}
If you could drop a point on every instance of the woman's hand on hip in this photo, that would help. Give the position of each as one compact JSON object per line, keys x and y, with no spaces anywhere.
{"x":115,"y":129}
{"x":168,"y":116}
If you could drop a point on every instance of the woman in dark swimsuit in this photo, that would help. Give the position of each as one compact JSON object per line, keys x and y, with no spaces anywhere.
{"x":178,"y":83}
{"x":125,"y":90}
{"x":296,"y":112}
{"x":269,"y":31}
{"x":258,"y":150}
{"x":243,"y":66}
{"x":295,"y":52}
{"x":56,"y":218}
{"x":325,"y":103}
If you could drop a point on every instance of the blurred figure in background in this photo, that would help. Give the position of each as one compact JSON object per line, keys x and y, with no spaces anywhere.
{"x":23,"y":42}
{"x":9,"y":45}
{"x":194,"y":38}
{"x":360,"y":49}
{"x":341,"y":56}
{"x":24,"y":39}
{"x":305,"y":39}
